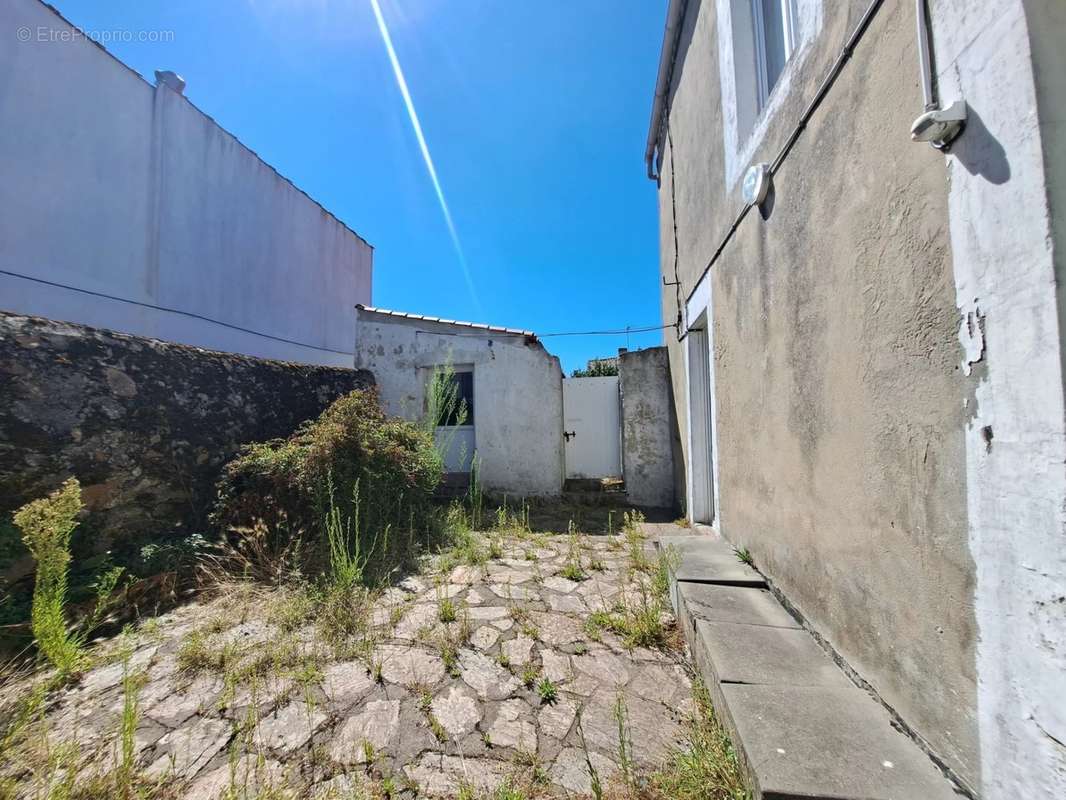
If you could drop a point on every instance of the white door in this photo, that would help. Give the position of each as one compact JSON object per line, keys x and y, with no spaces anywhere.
{"x":701,"y":468}
{"x":592,"y":427}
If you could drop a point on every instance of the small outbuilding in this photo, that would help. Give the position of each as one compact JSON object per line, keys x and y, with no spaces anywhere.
{"x":512,"y":387}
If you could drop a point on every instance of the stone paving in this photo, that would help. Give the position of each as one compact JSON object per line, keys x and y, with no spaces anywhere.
{"x":516,"y":689}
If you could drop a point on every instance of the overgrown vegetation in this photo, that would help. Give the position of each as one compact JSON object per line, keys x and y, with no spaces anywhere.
{"x":352,"y":481}
{"x":46,"y":526}
{"x":708,"y":767}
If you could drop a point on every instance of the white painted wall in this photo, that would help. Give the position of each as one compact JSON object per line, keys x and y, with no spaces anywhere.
{"x":518,"y":393}
{"x":1001,"y":239}
{"x":114,"y":186}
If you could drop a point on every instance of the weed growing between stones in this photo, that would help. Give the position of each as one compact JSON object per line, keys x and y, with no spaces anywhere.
{"x":547,"y":690}
{"x":708,"y":768}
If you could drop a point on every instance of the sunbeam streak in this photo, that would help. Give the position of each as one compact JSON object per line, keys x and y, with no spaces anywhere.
{"x":417,"y":126}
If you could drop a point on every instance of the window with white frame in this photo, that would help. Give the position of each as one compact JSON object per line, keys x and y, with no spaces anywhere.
{"x":774,"y":26}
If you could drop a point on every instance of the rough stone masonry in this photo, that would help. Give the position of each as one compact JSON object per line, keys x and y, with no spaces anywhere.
{"x":144,"y":425}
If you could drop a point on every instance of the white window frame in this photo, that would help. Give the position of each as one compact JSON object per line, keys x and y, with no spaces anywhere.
{"x":789,"y":19}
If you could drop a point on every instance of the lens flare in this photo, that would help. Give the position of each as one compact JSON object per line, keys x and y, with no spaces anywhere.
{"x":417,"y":126}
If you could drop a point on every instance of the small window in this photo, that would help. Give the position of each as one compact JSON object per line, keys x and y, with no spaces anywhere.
{"x":774,"y":25}
{"x":460,"y":400}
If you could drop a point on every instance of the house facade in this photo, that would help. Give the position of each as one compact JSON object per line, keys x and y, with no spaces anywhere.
{"x":867,"y":363}
{"x":126,"y":207}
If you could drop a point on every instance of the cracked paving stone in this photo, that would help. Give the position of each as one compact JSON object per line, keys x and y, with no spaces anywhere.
{"x":510,"y":575}
{"x":667,"y":685}
{"x":650,"y":723}
{"x":418,"y":616}
{"x":603,"y":666}
{"x":246,"y":633}
{"x":557,"y":630}
{"x":413,"y":584}
{"x":519,"y":563}
{"x":510,"y":729}
{"x":249,"y":773}
{"x":567,"y":604}
{"x":347,"y":682}
{"x":512,"y":592}
{"x":376,"y":724}
{"x":485,"y":637}
{"x":557,"y":718}
{"x":465,"y":574}
{"x":559,"y":584}
{"x":518,"y":651}
{"x":409,"y":666}
{"x":439,"y":775}
{"x":488,"y":613}
{"x":571,"y":770}
{"x":103,"y":678}
{"x":556,"y":666}
{"x":457,"y":710}
{"x":438,"y":593}
{"x":290,"y":727}
{"x":475,"y":598}
{"x":485,"y":676}
{"x":188,"y":749}
{"x":185,"y":702}
{"x":504,"y":624}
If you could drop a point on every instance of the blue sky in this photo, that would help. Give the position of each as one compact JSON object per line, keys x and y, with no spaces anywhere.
{"x":535,"y":113}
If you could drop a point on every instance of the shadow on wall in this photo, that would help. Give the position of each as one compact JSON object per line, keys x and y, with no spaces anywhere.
{"x":980,"y":152}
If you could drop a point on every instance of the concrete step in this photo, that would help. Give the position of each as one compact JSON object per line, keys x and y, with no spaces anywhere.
{"x":801,"y":727}
{"x":702,"y":559}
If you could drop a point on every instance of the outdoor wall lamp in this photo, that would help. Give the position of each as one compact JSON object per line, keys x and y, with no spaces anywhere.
{"x":756,"y":184}
{"x":938,"y":126}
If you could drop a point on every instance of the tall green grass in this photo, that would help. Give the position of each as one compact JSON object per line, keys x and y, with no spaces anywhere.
{"x":46,"y":526}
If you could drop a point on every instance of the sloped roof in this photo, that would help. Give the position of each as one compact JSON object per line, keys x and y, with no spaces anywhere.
{"x":457,"y":323}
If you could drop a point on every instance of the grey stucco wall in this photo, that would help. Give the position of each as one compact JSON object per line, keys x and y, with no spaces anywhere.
{"x":518,"y":393}
{"x":840,"y":402}
{"x":112,"y":185}
{"x":146,"y":426}
{"x":647,"y":427}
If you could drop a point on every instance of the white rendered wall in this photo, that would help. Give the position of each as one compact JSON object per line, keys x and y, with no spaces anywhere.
{"x":113,"y":186}
{"x":1002,"y":249}
{"x":518,"y":393}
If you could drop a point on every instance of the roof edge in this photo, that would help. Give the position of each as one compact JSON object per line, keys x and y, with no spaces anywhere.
{"x":675,"y":16}
{"x":477,"y":326}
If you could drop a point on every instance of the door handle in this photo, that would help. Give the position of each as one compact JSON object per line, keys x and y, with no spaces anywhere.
{"x":568,"y":435}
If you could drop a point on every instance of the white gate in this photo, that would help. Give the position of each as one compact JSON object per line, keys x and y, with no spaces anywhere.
{"x":591,"y":416}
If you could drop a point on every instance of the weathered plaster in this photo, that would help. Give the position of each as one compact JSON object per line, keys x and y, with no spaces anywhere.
{"x":833,"y":330}
{"x":1004,"y":265}
{"x":518,"y":393}
{"x":647,"y":427}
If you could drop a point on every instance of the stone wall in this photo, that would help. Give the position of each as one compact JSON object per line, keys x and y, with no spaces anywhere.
{"x":146,"y":426}
{"x":648,"y":427}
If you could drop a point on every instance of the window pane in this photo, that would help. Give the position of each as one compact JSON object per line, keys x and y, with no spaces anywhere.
{"x":774,"y":27}
{"x":463,"y":383}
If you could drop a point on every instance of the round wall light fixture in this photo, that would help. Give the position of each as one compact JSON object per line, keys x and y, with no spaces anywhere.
{"x":756,"y":184}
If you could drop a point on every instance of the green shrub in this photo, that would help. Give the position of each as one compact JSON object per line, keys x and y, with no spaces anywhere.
{"x":353,"y":478}
{"x":46,"y":526}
